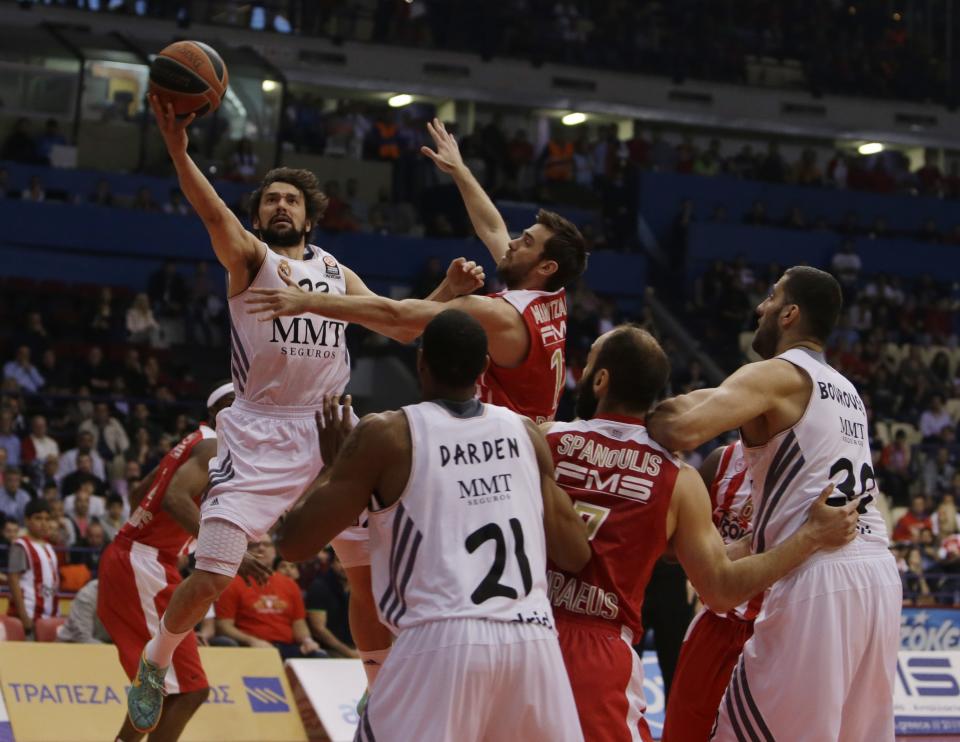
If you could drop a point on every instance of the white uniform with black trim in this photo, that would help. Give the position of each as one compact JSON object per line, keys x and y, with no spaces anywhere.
{"x":459,"y":572}
{"x":267,"y":448}
{"x":835,"y":620}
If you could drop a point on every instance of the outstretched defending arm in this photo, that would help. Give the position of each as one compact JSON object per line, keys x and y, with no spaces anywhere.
{"x":724,"y":584}
{"x":237,"y":250}
{"x":401,"y":320}
{"x":486,"y":220}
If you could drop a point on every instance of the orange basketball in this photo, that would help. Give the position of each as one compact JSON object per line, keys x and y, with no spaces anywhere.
{"x":191,"y":76}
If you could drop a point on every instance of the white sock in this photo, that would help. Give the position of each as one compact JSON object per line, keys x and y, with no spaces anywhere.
{"x":160,"y":649}
{"x":372,"y":662}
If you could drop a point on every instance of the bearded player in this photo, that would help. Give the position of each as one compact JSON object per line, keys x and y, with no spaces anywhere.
{"x":714,"y":640}
{"x":526,"y":324}
{"x":267,"y":444}
{"x":138,"y":571}
{"x":638,"y":501}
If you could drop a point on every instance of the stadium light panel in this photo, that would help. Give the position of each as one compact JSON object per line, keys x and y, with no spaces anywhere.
{"x":269,"y":86}
{"x":870,"y":148}
{"x":572,"y":119}
{"x":399,"y":101}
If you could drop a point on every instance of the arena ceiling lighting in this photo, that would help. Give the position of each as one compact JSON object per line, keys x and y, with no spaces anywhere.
{"x":269,"y":86}
{"x":870,"y":148}
{"x":399,"y":101}
{"x":572,"y":119}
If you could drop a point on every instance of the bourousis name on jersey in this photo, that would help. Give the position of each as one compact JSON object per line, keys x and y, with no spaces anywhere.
{"x":581,"y":597}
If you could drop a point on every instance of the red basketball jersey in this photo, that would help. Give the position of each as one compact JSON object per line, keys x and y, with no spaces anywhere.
{"x":150,"y":524}
{"x":621,"y":482}
{"x":533,"y":388}
{"x":730,"y":495}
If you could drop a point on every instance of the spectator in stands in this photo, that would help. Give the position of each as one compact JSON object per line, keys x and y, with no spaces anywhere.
{"x":757,"y":216}
{"x":34,"y":191}
{"x":92,"y":545}
{"x":82,"y":625}
{"x":85,"y":442}
{"x":64,"y":532}
{"x":95,"y":372}
{"x":519,"y":159}
{"x":9,"y":441}
{"x":929,"y":178}
{"x":47,"y":475}
{"x":51,"y":137}
{"x":328,"y":604}
{"x":103,"y":194}
{"x":110,"y":439}
{"x":772,"y":168}
{"x":34,"y":335}
{"x":894,"y":468}
{"x":710,"y":161}
{"x":806,"y":171}
{"x":795,"y":219}
{"x":244,"y":162}
{"x":132,"y":474}
{"x":167,"y":291}
{"x":83,"y":507}
{"x":83,"y":474}
{"x":21,"y":370}
{"x":913,"y":521}
{"x":142,"y":327}
{"x":37,"y":446}
{"x":19,"y":145}
{"x":934,"y":420}
{"x":32,"y":567}
{"x":9,"y":532}
{"x":144,"y":201}
{"x":176,"y":203}
{"x":846,"y":266}
{"x":13,"y":498}
{"x":947,"y":520}
{"x":266,"y":615}
{"x":915,"y":585}
{"x":113,"y":520}
{"x":57,"y":377}
{"x":352,"y":198}
{"x":938,"y":472}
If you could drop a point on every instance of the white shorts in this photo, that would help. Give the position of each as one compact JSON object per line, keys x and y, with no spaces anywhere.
{"x":266,"y":457}
{"x":821,"y":662}
{"x":471,"y":680}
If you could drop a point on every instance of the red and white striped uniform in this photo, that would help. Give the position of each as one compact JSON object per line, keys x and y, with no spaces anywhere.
{"x":533,"y":388}
{"x":138,"y":574}
{"x":733,"y":511}
{"x":40,"y":581}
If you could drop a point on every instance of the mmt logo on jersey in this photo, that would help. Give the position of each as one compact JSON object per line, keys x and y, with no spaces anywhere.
{"x":266,"y":695}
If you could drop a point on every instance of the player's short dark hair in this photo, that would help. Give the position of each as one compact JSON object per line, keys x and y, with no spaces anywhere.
{"x":819,"y":297}
{"x":566,"y":246}
{"x":637,"y":365}
{"x":314,"y":199}
{"x":454,"y":348}
{"x":35,"y":507}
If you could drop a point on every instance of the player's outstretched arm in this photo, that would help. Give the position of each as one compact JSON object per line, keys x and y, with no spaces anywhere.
{"x":486,"y":220}
{"x":723,"y":584}
{"x":335,"y":500}
{"x":682,"y":423}
{"x":236,"y":249}
{"x":403,"y":321}
{"x":188,"y":482}
{"x":567,"y":543}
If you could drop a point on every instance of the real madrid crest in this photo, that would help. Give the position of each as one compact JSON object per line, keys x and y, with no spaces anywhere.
{"x":284,"y":269}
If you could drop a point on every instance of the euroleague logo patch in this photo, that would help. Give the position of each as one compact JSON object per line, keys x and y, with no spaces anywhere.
{"x":333,"y":270}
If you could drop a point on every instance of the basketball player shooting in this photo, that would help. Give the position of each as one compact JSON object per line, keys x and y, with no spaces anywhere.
{"x":526,"y":324}
{"x":463,"y":510}
{"x":281,"y":370}
{"x":638,"y":501}
{"x":835,"y":622}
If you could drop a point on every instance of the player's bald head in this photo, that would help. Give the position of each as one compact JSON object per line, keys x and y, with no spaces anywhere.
{"x":637,"y":366}
{"x":454,"y":349}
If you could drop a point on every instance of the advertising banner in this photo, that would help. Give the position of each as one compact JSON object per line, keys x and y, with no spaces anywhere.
{"x":926,"y":698}
{"x":77,"y":692}
{"x":929,"y":629}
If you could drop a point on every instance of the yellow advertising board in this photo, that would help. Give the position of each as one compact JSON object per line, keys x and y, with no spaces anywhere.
{"x":77,"y":692}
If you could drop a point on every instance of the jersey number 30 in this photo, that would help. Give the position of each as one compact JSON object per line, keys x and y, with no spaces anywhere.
{"x":491,"y":587}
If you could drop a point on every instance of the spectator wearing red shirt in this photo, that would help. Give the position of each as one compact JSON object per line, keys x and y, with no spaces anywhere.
{"x":270,"y":615}
{"x":915,"y":520}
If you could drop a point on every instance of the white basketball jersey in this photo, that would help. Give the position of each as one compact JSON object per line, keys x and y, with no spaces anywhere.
{"x":290,"y":361}
{"x":828,"y":444}
{"x":466,"y":537}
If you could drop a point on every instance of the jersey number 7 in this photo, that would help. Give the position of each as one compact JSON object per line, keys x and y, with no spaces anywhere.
{"x":593,"y":516}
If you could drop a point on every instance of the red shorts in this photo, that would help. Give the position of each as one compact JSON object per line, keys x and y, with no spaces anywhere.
{"x":709,"y":654}
{"x":135,"y":588}
{"x":607,"y":680}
